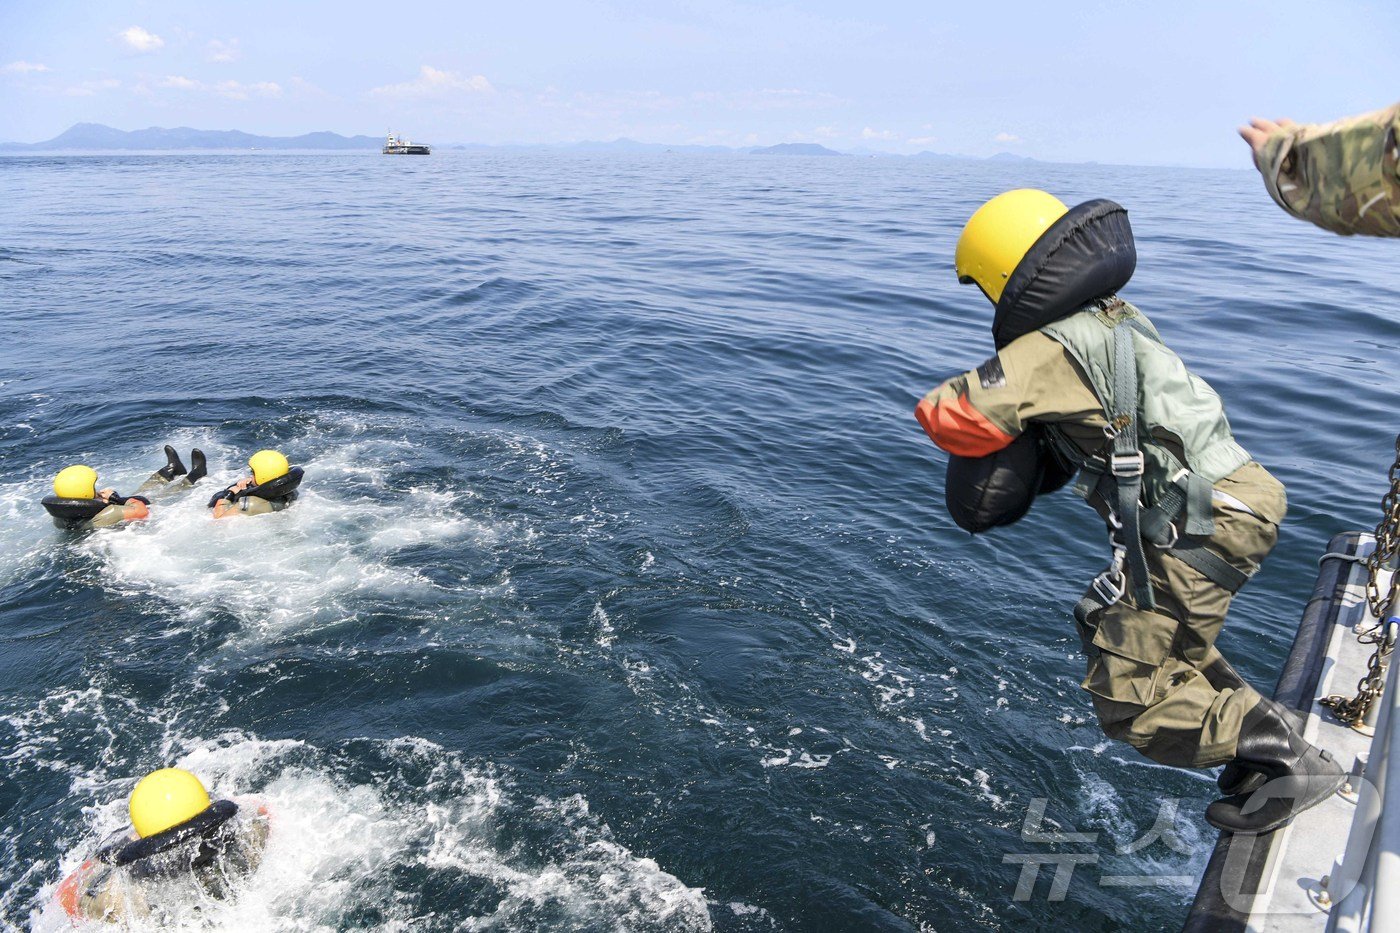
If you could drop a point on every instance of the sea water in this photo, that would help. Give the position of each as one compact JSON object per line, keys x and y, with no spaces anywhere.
{"x":620,"y":594}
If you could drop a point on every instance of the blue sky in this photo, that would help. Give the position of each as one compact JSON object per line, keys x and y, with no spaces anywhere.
{"x":1108,"y":81}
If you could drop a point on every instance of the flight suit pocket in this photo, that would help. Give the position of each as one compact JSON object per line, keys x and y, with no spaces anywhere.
{"x":1136,"y":634}
{"x":1132,"y":645}
{"x":1122,"y":687}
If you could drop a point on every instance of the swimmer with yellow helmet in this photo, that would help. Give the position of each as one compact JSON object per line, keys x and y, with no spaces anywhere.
{"x":178,"y":838}
{"x":271,"y":487}
{"x":78,"y":503}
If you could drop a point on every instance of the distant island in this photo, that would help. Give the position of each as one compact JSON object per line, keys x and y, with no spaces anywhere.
{"x":796,"y":149}
{"x":96,"y":137}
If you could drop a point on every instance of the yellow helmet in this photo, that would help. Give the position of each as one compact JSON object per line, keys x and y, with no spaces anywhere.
{"x":267,"y":466}
{"x":75,"y":482}
{"x":1000,"y":233}
{"x":166,"y":798}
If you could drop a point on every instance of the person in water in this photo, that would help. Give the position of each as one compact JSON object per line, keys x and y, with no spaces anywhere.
{"x":78,"y":503}
{"x":271,"y":487}
{"x":179,"y":843}
{"x":1081,"y":377}
{"x":1342,"y":176}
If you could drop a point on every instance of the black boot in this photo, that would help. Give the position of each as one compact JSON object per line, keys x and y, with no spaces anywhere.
{"x":173,"y":467}
{"x":200,"y":470}
{"x":1299,"y":775}
{"x":1237,"y":777}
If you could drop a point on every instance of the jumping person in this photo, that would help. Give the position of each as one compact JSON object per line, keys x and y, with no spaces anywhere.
{"x":177,"y":834}
{"x":271,"y":487}
{"x":77,"y":503}
{"x":1081,"y":376}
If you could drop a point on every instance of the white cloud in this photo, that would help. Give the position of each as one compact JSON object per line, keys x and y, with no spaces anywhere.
{"x":233,"y":90}
{"x":300,"y":87}
{"x":24,"y":68}
{"x":89,"y":88}
{"x":224,"y":50}
{"x":768,"y":98}
{"x":140,"y":40}
{"x":922,"y":140}
{"x":237,"y":91}
{"x":869,"y":133}
{"x":434,"y":82}
{"x":1006,"y":138}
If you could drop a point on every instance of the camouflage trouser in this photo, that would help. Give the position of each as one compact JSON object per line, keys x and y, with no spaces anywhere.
{"x":157,"y":485}
{"x":1157,"y":680}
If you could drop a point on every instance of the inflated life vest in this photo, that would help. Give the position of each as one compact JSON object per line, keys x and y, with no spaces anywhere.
{"x":70,"y":512}
{"x":283,"y":487}
{"x":988,"y":492}
{"x":195,"y":843}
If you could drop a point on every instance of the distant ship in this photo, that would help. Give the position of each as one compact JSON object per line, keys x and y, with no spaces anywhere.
{"x":398,"y":146}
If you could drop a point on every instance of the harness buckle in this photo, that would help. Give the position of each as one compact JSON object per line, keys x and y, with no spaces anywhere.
{"x":1110,"y":586}
{"x":1171,"y":542}
{"x":1126,"y":465}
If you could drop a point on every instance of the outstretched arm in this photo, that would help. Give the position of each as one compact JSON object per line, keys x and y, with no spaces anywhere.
{"x":1342,"y":176}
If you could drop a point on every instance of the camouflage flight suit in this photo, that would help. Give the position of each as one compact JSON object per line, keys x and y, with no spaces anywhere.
{"x":1155,"y":675}
{"x":153,"y":487}
{"x":1342,"y":176}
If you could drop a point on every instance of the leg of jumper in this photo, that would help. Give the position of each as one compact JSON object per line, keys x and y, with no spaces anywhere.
{"x":157,"y":485}
{"x":1156,"y":681}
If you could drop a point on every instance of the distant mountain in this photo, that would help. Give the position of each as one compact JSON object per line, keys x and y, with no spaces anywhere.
{"x":623,"y":144}
{"x":796,"y":149}
{"x":93,"y":136}
{"x":97,"y":136}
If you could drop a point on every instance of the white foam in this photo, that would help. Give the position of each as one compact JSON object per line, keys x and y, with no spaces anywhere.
{"x":339,"y":848}
{"x":787,"y":758}
{"x":299,"y":569}
{"x":27,"y":536}
{"x":603,"y":623}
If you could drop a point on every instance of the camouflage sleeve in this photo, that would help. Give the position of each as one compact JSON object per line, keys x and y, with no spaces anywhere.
{"x":111,"y":515}
{"x":1342,"y":176}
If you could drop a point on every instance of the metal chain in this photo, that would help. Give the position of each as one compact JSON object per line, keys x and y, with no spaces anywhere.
{"x":1352,"y":711}
{"x":1387,"y":544}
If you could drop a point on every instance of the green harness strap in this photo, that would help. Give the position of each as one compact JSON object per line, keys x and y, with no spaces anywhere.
{"x":1126,"y":463}
{"x":1214,"y":567}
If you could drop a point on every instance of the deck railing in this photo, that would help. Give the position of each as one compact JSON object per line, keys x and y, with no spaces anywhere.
{"x":1367,"y":880}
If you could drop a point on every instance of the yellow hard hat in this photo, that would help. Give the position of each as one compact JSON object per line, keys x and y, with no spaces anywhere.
{"x":166,"y":798}
{"x":1000,"y":233}
{"x":75,"y":482}
{"x":267,"y":466}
